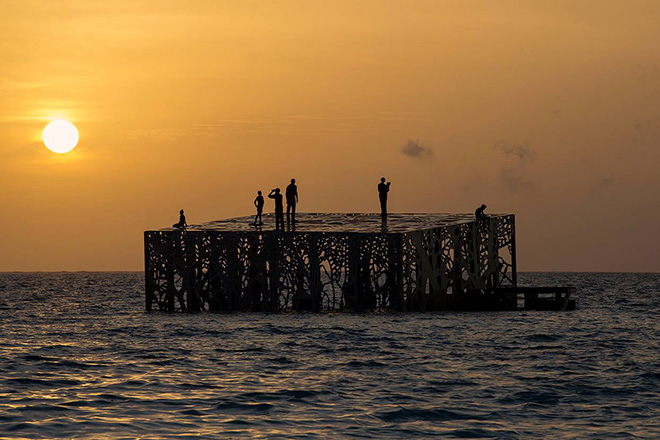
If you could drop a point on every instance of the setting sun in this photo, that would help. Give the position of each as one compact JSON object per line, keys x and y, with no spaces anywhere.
{"x":60,"y":136}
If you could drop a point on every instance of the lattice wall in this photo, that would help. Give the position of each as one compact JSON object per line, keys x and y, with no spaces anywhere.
{"x":426,"y":269}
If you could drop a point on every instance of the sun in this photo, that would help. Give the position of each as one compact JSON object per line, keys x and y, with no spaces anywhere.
{"x":60,"y":136}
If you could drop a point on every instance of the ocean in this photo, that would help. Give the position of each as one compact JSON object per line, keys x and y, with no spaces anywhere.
{"x":79,"y":358}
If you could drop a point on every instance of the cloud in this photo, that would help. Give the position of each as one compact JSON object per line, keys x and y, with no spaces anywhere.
{"x":513,"y":173}
{"x":512,"y":176}
{"x":602,"y":185}
{"x":521,"y":152}
{"x":476,"y":184}
{"x":416,"y":150}
{"x":648,"y":72}
{"x":516,"y":180}
{"x":159,"y":134}
{"x":296,"y":124}
{"x":645,"y":133}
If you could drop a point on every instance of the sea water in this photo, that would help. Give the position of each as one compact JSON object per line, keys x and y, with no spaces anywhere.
{"x":79,"y":358}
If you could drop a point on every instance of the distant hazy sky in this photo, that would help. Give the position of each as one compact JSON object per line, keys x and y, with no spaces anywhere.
{"x":547,"y":109}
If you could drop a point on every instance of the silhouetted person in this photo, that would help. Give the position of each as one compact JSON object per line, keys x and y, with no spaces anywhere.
{"x":291,"y":200}
{"x":383,"y":189}
{"x":279,"y":208}
{"x":479,"y":213}
{"x":182,"y":221}
{"x":259,"y":204}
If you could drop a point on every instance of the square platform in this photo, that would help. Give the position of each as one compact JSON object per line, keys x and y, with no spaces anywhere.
{"x":329,"y":262}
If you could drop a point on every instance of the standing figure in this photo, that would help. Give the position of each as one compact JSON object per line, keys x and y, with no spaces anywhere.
{"x":279,"y":208}
{"x":182,"y":221}
{"x":383,"y":189}
{"x":479,"y":213}
{"x":291,"y":200}
{"x":259,"y":204}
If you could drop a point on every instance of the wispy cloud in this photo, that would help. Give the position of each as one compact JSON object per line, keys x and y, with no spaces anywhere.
{"x":513,"y":173}
{"x":602,"y":184}
{"x":416,"y":149}
{"x":8,"y":86}
{"x":521,"y":152}
{"x":159,"y":134}
{"x":292,"y":124}
{"x":644,"y":134}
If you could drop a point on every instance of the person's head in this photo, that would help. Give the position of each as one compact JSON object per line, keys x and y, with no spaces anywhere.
{"x":382,"y":179}
{"x":259,"y":192}
{"x":181,"y":212}
{"x":277,"y":190}
{"x":293,"y":180}
{"x":484,"y":206}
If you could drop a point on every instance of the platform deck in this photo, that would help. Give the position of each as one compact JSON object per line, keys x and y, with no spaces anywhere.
{"x":339,"y":223}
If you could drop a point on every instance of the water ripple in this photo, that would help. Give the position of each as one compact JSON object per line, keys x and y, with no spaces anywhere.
{"x":79,"y":355}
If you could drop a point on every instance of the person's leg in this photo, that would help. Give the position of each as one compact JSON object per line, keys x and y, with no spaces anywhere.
{"x":288,"y":212}
{"x":293,"y":212}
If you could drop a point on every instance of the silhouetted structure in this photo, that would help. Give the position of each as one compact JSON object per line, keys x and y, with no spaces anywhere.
{"x":279,"y":208}
{"x":182,"y":221}
{"x":479,"y":213}
{"x":335,"y":262}
{"x":291,"y":201}
{"x":259,"y":204}
{"x":383,"y":189}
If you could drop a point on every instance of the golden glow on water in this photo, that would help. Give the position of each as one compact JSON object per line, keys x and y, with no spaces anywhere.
{"x":78,"y":354}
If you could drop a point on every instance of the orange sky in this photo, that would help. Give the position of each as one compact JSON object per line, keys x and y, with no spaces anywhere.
{"x":546,"y":109}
